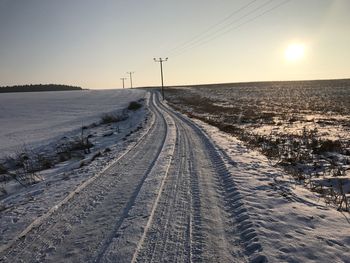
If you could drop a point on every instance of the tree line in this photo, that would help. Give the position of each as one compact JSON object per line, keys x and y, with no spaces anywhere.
{"x":38,"y":87}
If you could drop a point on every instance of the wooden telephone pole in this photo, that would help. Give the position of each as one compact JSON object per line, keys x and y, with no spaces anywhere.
{"x":123,"y":79}
{"x":130,"y":74}
{"x":161,"y":60}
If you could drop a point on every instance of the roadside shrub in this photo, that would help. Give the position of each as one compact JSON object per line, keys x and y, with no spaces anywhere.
{"x":96,"y":155}
{"x":80,"y":144}
{"x":82,"y":163}
{"x":3,"y":169}
{"x":64,"y":156}
{"x":111,"y":118}
{"x":329,"y":146}
{"x":134,"y":105}
{"x":67,"y":146}
{"x":44,"y":162}
{"x":26,"y":168}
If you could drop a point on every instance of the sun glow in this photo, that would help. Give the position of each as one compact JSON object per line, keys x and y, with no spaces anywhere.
{"x":294,"y":52}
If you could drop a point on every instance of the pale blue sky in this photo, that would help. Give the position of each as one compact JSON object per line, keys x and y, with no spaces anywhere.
{"x":94,"y":43}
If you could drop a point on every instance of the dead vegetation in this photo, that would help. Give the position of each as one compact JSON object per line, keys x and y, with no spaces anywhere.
{"x":320,"y":163}
{"x":134,"y":105}
{"x":112,"y":118}
{"x":24,"y":166}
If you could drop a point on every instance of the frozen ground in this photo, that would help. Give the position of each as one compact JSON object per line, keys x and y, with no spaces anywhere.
{"x":34,"y":118}
{"x":23,"y":205}
{"x":278,"y":108}
{"x":173,"y":190}
{"x":293,"y":224}
{"x":302,"y":126}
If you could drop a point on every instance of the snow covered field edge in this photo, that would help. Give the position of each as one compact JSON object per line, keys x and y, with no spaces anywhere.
{"x":294,"y":224}
{"x":25,"y":208}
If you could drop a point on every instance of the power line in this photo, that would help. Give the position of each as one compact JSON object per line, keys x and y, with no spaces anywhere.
{"x":130,"y":74}
{"x":210,"y":28}
{"x":161,"y":60}
{"x":204,"y":36}
{"x":210,"y":34}
{"x":222,"y":32}
{"x":229,"y":25}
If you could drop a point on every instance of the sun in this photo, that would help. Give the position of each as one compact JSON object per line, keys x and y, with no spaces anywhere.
{"x":294,"y":52}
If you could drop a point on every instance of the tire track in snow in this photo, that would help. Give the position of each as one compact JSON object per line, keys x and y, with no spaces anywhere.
{"x":172,"y":216}
{"x":143,"y":209}
{"x":173,"y":239}
{"x":242,"y":227}
{"x":76,"y":191}
{"x":155,"y":205}
{"x":68,"y":227}
{"x":126,"y":243}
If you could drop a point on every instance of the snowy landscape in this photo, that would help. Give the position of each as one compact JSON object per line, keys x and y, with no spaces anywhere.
{"x":303,"y":126}
{"x":175,"y":131}
{"x":36,"y":118}
{"x":152,"y":185}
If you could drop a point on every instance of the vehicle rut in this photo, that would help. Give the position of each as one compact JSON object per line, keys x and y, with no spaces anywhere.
{"x":171,"y":198}
{"x":201,"y":216}
{"x":81,"y":230}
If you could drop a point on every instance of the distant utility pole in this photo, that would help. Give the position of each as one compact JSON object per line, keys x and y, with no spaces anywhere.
{"x":123,"y":81}
{"x":130,"y":73}
{"x":161,"y":60}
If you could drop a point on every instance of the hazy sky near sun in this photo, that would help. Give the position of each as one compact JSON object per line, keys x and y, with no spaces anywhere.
{"x":94,"y":43}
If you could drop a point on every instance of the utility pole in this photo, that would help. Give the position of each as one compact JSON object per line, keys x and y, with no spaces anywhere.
{"x":130,"y":74}
{"x":161,"y":60}
{"x":123,"y":81}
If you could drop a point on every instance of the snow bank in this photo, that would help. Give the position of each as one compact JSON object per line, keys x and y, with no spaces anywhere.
{"x":294,"y":224}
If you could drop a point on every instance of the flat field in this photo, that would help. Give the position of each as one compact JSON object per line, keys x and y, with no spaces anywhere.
{"x":301,"y":125}
{"x":273,"y":107}
{"x":35,"y":118}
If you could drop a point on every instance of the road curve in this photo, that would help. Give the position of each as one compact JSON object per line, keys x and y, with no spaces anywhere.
{"x":168,"y":199}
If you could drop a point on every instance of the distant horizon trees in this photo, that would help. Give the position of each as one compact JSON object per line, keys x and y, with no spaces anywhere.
{"x":38,"y":87}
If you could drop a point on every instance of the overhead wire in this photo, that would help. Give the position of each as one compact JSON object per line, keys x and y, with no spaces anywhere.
{"x":231,"y":26}
{"x":223,"y":26}
{"x":215,"y":31}
{"x":212,"y":27}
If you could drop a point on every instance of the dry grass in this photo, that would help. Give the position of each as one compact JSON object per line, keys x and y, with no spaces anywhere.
{"x":238,"y":109}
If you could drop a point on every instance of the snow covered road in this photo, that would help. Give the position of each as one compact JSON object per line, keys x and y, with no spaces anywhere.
{"x":200,"y":216}
{"x":170,"y":198}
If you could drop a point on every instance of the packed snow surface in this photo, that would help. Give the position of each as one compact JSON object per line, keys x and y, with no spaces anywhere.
{"x":33,"y":118}
{"x":171,"y":189}
{"x":293,"y":224}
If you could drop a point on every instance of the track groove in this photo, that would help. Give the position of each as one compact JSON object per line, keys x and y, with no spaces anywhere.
{"x":70,"y":232}
{"x":171,"y":198}
{"x":241,"y":232}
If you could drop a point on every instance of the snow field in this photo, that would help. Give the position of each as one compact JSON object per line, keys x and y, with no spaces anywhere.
{"x":25,"y":208}
{"x":292,"y":223}
{"x":36,"y":118}
{"x":179,"y":191}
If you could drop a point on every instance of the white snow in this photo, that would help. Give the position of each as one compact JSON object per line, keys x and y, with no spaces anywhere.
{"x":291,"y":223}
{"x":22,"y":206}
{"x":294,"y":224}
{"x":35,"y":118}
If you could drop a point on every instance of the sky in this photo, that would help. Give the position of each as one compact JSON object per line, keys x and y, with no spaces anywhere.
{"x":93,"y":43}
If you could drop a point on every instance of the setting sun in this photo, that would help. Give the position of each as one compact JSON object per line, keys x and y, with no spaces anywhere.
{"x":294,"y":52}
